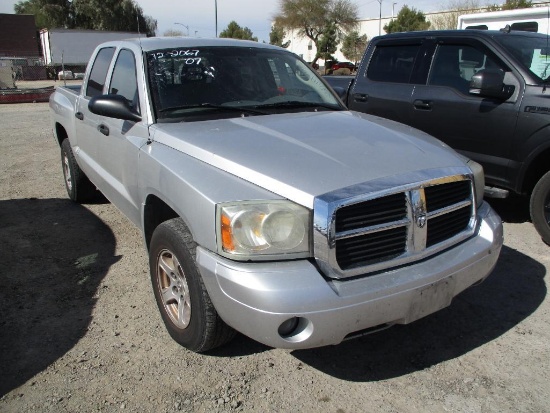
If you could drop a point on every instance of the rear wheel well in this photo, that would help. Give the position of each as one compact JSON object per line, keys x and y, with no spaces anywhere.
{"x":538,"y":167}
{"x":156,"y":211}
{"x":60,"y":133}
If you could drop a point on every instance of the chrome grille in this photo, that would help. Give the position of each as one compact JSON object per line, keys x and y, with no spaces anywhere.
{"x":368,"y":232}
{"x":369,"y":248}
{"x":446,"y":226}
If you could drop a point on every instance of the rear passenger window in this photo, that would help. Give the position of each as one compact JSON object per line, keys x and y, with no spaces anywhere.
{"x":392,"y":63}
{"x":96,"y":82}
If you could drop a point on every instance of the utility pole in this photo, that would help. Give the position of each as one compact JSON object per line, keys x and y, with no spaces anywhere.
{"x":380,"y":19}
{"x":216,"y":15}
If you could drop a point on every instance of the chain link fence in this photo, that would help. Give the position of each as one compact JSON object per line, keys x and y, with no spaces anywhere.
{"x":32,"y":69}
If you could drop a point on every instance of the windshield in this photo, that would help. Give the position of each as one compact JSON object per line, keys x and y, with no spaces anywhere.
{"x":189,"y":84}
{"x":532,"y":51}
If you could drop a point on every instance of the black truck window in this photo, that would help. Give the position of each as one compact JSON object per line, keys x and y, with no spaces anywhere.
{"x":454,"y":65}
{"x":96,"y":82}
{"x":393,"y":63}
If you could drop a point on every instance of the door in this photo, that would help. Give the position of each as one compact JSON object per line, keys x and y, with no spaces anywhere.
{"x":481,"y":128}
{"x":119,"y":141}
{"x":385,"y":86}
{"x":85,"y":145}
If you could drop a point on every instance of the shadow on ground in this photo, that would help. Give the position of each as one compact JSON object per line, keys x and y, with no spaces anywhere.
{"x":53,"y":256}
{"x":477,"y":316}
{"x":514,"y":210}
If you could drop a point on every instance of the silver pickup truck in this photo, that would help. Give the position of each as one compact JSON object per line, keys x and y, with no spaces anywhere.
{"x":267,"y":207}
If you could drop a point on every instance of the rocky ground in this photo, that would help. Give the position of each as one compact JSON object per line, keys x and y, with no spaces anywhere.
{"x":80,"y":331}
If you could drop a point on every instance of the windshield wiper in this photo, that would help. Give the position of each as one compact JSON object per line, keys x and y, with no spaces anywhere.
{"x":215,"y":106}
{"x":299,"y":104}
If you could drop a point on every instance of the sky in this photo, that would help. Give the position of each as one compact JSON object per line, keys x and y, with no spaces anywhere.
{"x":200,"y":17}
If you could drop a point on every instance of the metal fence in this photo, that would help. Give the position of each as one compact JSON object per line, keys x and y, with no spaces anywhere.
{"x":41,"y":72}
{"x":32,"y":68}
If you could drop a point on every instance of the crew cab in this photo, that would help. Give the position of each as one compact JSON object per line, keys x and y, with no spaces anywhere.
{"x":484,"y":93}
{"x":259,"y":215}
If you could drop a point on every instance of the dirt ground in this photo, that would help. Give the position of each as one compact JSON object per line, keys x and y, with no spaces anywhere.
{"x":80,"y":331}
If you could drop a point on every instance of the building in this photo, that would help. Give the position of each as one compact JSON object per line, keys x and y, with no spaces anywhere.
{"x":18,"y":36}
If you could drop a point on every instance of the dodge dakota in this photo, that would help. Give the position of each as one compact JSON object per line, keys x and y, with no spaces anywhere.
{"x":265,"y":205}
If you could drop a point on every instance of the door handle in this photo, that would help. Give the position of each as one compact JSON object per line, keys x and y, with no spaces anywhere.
{"x":360,"y":97}
{"x":422,"y":104}
{"x":103,"y":129}
{"x":79,"y":115}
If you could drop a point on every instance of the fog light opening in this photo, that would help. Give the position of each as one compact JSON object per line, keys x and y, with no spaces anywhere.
{"x":295,"y":329}
{"x":288,"y":327}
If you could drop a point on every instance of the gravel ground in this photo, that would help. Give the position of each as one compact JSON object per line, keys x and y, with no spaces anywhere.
{"x":80,"y":331}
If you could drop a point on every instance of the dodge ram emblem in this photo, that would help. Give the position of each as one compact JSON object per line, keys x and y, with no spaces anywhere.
{"x":420,"y":220}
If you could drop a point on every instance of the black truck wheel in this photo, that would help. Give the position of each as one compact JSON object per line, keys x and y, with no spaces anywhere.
{"x":540,"y":207}
{"x":184,"y":303}
{"x":79,"y":188}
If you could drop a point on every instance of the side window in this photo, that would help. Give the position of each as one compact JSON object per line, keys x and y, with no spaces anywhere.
{"x":124,"y":80}
{"x":392,"y":63}
{"x":526,"y":26}
{"x":96,"y":82}
{"x":454,"y":65}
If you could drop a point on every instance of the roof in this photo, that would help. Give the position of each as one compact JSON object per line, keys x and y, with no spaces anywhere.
{"x":460,"y":33}
{"x":155,"y":43}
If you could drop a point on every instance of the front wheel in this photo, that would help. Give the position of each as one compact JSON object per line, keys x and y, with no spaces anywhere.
{"x":184,"y":303}
{"x":540,"y":207}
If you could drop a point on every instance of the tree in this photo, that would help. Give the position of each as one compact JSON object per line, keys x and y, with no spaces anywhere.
{"x":234,"y":31}
{"x":277,"y":36}
{"x":353,"y":46}
{"x":448,"y":20}
{"x":408,"y":20}
{"x":47,"y":14}
{"x":314,"y":18}
{"x":511,"y":5}
{"x":172,"y":33}
{"x":327,"y":44}
{"x":123,"y":15}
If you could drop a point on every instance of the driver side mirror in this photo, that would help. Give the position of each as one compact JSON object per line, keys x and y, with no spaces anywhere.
{"x":490,"y":83}
{"x":113,"y":106}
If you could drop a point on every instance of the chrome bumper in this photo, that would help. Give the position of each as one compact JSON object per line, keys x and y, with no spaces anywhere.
{"x":256,"y":298}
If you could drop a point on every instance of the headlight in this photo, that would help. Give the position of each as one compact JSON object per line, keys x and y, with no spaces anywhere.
{"x":479,"y":180}
{"x":265,"y":230}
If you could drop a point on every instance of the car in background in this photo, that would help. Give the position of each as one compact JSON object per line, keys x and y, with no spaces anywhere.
{"x":344,"y":65}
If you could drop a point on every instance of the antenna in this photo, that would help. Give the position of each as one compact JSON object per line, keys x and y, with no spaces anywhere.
{"x":546,"y":55}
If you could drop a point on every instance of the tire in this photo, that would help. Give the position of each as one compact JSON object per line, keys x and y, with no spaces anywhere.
{"x":184,"y":303}
{"x":79,"y":188}
{"x":540,"y":207}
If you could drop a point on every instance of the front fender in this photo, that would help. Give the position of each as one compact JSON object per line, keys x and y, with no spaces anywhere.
{"x":191,"y":188}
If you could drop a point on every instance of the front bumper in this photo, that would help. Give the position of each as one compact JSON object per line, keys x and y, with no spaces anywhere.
{"x":256,"y":298}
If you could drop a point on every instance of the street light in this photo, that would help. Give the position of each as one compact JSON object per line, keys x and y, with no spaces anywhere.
{"x":186,"y":26}
{"x":393,"y":10}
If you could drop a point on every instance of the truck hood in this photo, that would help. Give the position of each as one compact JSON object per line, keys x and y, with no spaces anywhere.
{"x":302,"y":155}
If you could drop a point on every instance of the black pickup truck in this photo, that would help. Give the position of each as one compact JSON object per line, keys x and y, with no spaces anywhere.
{"x":484,"y":93}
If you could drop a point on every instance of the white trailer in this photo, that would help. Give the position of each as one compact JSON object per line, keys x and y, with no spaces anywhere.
{"x":534,"y":19}
{"x":75,"y":47}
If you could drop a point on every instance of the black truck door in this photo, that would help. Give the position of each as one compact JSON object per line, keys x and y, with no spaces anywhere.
{"x":482,"y":128}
